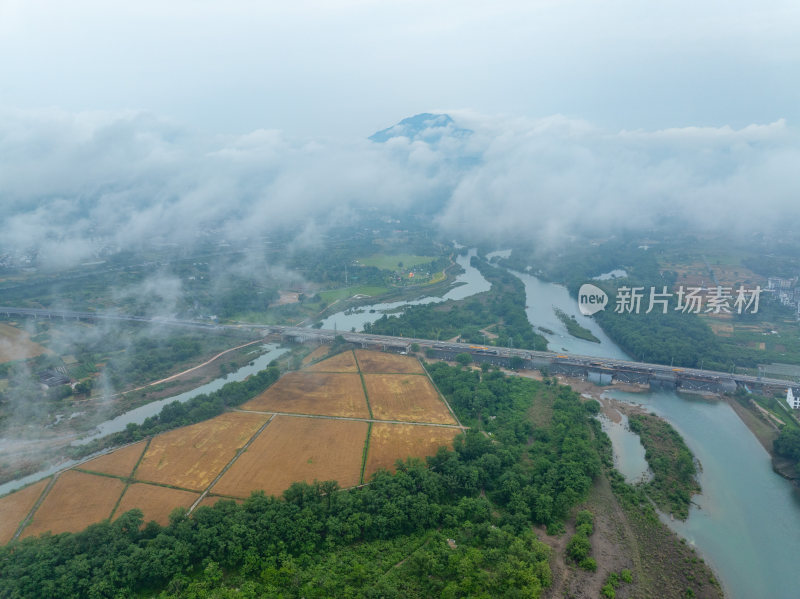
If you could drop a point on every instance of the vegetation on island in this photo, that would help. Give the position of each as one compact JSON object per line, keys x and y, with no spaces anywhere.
{"x":674,"y":470}
{"x":573,"y":328}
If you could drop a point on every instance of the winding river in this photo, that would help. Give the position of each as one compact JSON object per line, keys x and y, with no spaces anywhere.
{"x":746,"y":522}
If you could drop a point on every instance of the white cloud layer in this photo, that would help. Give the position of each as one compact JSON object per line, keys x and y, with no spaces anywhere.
{"x":71,"y":180}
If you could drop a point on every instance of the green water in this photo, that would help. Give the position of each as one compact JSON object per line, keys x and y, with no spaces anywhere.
{"x":746,"y":523}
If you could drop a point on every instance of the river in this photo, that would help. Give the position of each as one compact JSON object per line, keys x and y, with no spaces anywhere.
{"x":746,"y":521}
{"x":138,"y":415}
{"x":468,"y":283}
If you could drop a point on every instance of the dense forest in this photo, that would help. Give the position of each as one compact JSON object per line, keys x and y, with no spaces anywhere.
{"x":457,"y":526}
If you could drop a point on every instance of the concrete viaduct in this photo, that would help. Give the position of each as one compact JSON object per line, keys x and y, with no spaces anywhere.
{"x":599,"y":370}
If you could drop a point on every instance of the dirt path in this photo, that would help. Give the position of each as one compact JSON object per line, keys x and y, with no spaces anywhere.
{"x":188,"y":370}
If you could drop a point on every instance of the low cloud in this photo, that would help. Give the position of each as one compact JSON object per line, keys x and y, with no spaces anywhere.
{"x":75,"y":186}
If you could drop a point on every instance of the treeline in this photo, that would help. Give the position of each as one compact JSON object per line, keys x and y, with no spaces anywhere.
{"x":458,"y":527}
{"x":502,"y":308}
{"x":176,"y":414}
{"x":787,"y":445}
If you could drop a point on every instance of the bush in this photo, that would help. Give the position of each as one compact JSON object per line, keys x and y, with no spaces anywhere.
{"x":608,"y":591}
{"x":589,"y":564}
{"x":626,"y":576}
{"x":578,"y":548}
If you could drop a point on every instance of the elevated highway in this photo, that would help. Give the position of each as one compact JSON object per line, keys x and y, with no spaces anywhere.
{"x":601,"y":370}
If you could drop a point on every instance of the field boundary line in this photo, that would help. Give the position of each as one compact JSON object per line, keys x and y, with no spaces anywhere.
{"x":443,"y":398}
{"x":36,"y":506}
{"x":141,"y":457}
{"x":363,"y":384}
{"x":229,"y":464}
{"x":356,"y":419}
{"x":366,"y":451}
{"x":119,"y":499}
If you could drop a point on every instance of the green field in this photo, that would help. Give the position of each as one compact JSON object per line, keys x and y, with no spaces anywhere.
{"x":336,"y":294}
{"x":390,"y":261}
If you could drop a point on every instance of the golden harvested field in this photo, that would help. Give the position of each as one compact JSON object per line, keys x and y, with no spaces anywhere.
{"x":327,"y":394}
{"x":119,"y":462}
{"x":14,"y":508}
{"x":378,"y":362}
{"x":391,"y":442}
{"x":155,"y":502}
{"x":317,"y":354}
{"x":297,"y":449}
{"x":190,"y":457}
{"x":76,"y":500}
{"x":15,"y":344}
{"x":343,"y":362}
{"x":407,"y":397}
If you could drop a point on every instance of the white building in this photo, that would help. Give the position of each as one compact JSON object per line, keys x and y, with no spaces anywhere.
{"x":794,"y":402}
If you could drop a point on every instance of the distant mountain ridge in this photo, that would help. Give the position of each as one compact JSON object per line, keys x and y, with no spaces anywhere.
{"x":425,"y":126}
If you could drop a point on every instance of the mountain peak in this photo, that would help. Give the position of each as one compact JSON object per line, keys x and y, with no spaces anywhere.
{"x":427,"y":126}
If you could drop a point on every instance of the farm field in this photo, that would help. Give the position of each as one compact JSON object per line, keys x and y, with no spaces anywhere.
{"x":406,"y":397}
{"x":14,"y":508}
{"x":317,"y":354}
{"x":389,"y":442}
{"x":192,"y":456}
{"x":343,"y":362}
{"x":119,"y":463}
{"x":155,"y":502}
{"x":76,"y":500}
{"x":377,"y":362}
{"x":15,"y":344}
{"x":177,"y":465}
{"x":295,"y":448}
{"x":327,"y":394}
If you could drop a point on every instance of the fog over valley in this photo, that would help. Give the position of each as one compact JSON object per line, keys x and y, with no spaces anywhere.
{"x":75,"y":185}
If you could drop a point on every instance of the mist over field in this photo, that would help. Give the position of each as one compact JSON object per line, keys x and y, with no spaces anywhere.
{"x":74,"y":184}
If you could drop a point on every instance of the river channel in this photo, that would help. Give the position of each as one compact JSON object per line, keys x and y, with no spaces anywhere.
{"x":746,"y":522}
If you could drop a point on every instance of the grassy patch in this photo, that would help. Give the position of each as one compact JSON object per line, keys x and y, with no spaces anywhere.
{"x":332,"y":295}
{"x":393,"y":261}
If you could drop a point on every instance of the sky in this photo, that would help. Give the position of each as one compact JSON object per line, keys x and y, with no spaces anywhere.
{"x":123,"y":122}
{"x":351,"y":67}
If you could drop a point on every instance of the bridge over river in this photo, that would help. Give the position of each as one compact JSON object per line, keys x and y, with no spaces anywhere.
{"x":600,"y":370}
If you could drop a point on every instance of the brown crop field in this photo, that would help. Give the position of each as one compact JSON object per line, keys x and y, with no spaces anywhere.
{"x":343,"y":362}
{"x":190,"y":457}
{"x":297,"y":449}
{"x":14,"y":508}
{"x":380,"y":362}
{"x":317,"y":354}
{"x":155,"y":502}
{"x":327,"y":394}
{"x":407,"y":397}
{"x":118,"y":463}
{"x":76,"y":500}
{"x":391,"y":442}
{"x":15,"y":344}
